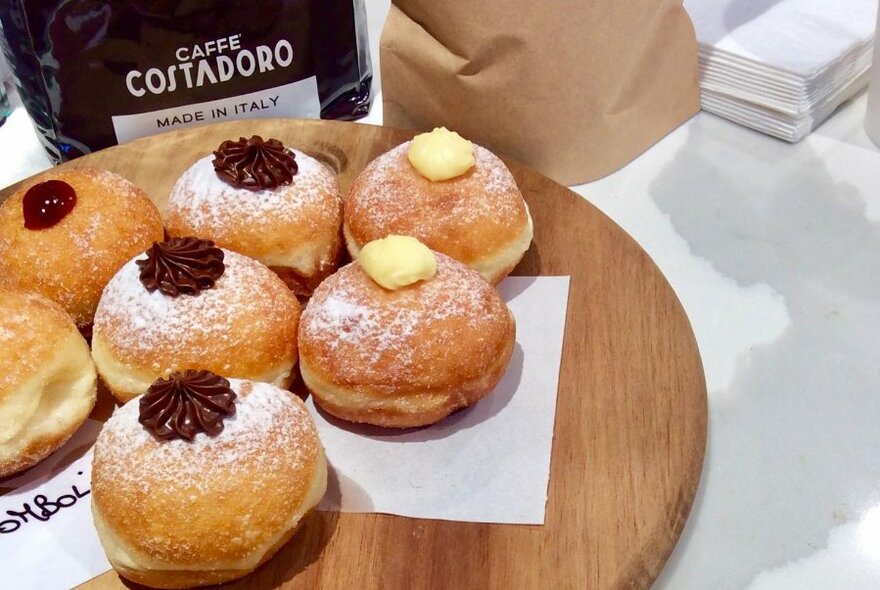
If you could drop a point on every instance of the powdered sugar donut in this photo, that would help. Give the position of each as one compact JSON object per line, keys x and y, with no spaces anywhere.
{"x":479,"y":217}
{"x":63,"y":234}
{"x":277,"y":205}
{"x":405,"y":357}
{"x":47,"y":379}
{"x":188,"y":304}
{"x":176,"y":507}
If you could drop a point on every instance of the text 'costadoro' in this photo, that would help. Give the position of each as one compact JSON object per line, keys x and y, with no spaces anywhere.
{"x":211,"y":62}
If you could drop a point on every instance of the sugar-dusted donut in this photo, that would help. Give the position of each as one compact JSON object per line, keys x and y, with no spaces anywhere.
{"x":262,"y":199}
{"x":405,"y":357}
{"x":202,"y":479}
{"x":186,"y":304}
{"x":63,"y":234}
{"x":47,"y":379}
{"x":478,"y":217}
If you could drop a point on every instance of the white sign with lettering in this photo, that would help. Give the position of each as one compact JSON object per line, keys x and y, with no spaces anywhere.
{"x":47,"y":538}
{"x":297,"y":99}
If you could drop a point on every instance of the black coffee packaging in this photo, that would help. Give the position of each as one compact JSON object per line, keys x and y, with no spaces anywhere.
{"x":94,"y":73}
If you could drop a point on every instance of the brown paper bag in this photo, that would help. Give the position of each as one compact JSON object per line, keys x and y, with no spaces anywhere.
{"x":573,"y":88}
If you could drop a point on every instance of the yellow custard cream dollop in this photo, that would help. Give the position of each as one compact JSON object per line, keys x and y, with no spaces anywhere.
{"x":441,"y":154}
{"x":397,"y":261}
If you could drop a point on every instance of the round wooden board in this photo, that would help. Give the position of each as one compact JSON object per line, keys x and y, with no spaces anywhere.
{"x":630,"y":422}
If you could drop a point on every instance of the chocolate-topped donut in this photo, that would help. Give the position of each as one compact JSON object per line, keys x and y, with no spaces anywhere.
{"x":187,"y":304}
{"x":177,"y":506}
{"x":267,"y":201}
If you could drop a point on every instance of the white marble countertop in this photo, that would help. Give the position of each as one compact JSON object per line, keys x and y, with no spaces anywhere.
{"x":774,"y":250}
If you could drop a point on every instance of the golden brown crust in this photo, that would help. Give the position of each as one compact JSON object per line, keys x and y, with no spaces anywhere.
{"x":47,"y":380}
{"x":244,"y":327}
{"x":172,"y":579}
{"x":407,"y":357}
{"x":405,"y":409}
{"x":296,"y":227}
{"x":71,"y":262}
{"x":177,"y":514}
{"x":35,"y":451}
{"x":478,"y":218}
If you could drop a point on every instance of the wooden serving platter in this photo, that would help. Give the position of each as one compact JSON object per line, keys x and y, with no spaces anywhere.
{"x":630,"y":422}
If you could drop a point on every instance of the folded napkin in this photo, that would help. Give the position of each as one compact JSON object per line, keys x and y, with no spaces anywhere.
{"x":781,"y":66}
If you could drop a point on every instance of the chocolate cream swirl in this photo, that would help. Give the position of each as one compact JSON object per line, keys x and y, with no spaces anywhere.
{"x":181,"y":266}
{"x":185,"y":404}
{"x":254,"y":164}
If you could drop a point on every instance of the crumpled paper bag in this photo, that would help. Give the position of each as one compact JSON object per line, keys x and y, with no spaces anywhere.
{"x":573,"y":88}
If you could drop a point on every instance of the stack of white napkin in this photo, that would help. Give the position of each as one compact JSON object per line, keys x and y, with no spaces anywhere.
{"x":782,"y":66}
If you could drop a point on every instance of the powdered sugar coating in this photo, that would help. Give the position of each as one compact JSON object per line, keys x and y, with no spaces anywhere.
{"x":249,"y":315}
{"x":354,"y":331}
{"x":213,"y":503}
{"x":90,"y":246}
{"x":11,"y":324}
{"x":31,"y":329}
{"x":293,"y":227}
{"x":72,"y":261}
{"x":212,"y":204}
{"x":267,"y":418}
{"x":468,"y":217}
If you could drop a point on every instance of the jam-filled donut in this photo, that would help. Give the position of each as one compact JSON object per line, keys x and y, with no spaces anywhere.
{"x":64,"y":233}
{"x":202,"y":479}
{"x":403,"y":337}
{"x":456,"y":197}
{"x":47,"y":379}
{"x":262,"y":199}
{"x":187,"y":304}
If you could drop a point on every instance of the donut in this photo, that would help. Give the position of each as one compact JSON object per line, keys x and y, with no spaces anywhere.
{"x":187,"y":304}
{"x":478,"y":217}
{"x":261,"y":199}
{"x":64,"y":233}
{"x":405,"y":357}
{"x":47,"y":379}
{"x":202,"y":479}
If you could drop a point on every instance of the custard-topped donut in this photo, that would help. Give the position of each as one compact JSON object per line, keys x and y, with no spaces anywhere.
{"x":478,"y":217}
{"x":404,"y":357}
{"x":47,"y":379}
{"x":188,"y":304}
{"x":64,"y":233}
{"x":202,"y":479}
{"x":262,"y":199}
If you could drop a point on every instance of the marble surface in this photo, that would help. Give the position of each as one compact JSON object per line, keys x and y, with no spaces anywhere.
{"x":774,"y":250}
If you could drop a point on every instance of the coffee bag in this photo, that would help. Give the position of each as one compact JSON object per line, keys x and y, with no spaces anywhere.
{"x":93,"y":73}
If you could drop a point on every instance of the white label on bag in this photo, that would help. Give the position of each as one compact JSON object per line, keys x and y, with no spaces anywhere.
{"x":297,"y":99}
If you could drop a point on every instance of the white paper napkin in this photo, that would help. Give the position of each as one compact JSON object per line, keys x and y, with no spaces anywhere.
{"x":489,"y":463}
{"x":781,"y":66}
{"x":802,"y":37}
{"x":47,"y":539}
